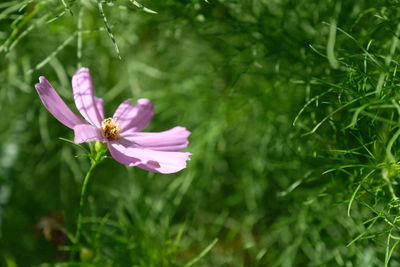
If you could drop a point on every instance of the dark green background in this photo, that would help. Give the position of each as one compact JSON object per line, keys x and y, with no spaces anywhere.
{"x":235,"y":73}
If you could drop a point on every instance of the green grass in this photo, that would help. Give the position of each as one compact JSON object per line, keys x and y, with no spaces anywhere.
{"x":294,"y":111}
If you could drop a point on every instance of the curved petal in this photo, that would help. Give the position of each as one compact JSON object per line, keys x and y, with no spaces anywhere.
{"x":151,"y":160}
{"x":136,"y":117}
{"x":174,"y":139}
{"x":55,"y":105}
{"x":85,"y":100}
{"x":87,"y":133}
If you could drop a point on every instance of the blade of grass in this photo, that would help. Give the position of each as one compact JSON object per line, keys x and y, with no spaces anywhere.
{"x":108,"y":28}
{"x":202,"y":254}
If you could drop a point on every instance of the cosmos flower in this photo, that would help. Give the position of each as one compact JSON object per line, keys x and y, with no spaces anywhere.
{"x":152,"y":151}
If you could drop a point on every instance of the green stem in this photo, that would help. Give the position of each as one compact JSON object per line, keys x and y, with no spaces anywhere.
{"x":95,"y":160}
{"x":81,"y":202}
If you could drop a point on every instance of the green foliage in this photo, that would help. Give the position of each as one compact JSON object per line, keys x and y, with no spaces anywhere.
{"x":294,"y":111}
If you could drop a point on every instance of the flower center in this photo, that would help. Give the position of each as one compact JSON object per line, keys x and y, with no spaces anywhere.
{"x":110,"y":128}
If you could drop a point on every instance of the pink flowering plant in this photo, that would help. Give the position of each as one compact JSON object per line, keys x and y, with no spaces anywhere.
{"x":121,"y":133}
{"x":155,"y":152}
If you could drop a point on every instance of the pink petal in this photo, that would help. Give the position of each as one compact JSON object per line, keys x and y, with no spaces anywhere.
{"x":151,"y":160}
{"x":87,"y":133}
{"x":134,"y":118}
{"x":85,"y":100}
{"x":174,"y":139}
{"x":55,"y":105}
{"x":100,"y":106}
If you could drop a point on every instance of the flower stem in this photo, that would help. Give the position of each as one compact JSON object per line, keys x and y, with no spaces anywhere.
{"x":96,"y":157}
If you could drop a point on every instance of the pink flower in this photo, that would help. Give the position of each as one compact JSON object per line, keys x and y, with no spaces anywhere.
{"x":155,"y":152}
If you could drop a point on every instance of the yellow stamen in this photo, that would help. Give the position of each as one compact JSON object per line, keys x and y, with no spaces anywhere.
{"x":110,"y":128}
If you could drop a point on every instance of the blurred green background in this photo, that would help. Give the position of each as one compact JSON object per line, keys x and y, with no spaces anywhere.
{"x":294,"y":113}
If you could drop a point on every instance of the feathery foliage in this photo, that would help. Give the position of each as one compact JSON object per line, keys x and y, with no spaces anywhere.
{"x":294,"y":109}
